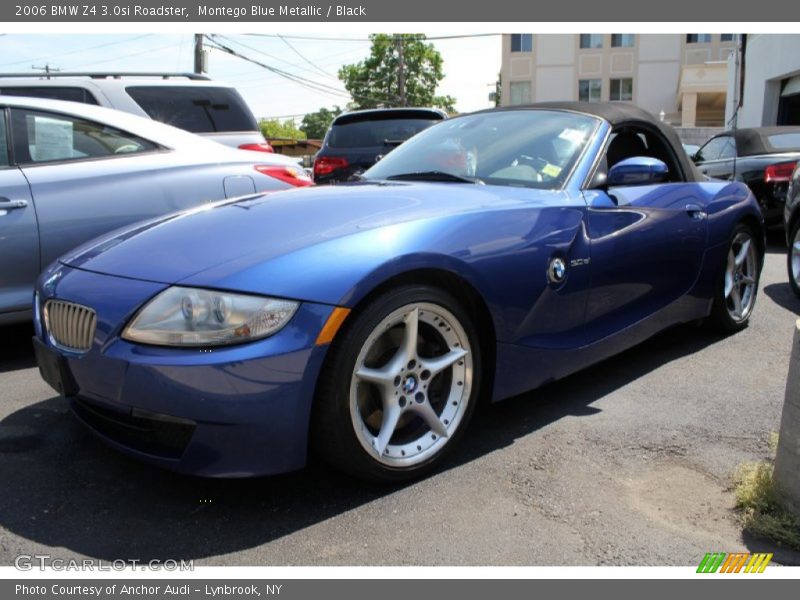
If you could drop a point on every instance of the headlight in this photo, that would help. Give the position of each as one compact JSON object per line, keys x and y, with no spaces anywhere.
{"x":182,"y":316}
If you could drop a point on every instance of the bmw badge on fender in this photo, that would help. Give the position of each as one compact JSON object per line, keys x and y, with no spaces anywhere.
{"x":487,"y":255}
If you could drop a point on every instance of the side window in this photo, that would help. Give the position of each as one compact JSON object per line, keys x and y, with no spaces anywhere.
{"x":3,"y":140}
{"x":729,"y":150}
{"x":45,"y":137}
{"x":713,"y":149}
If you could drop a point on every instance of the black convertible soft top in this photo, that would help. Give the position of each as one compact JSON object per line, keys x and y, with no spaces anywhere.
{"x":755,"y":140}
{"x":619,"y":114}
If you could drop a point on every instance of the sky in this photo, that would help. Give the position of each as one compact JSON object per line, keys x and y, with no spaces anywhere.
{"x":471,"y":64}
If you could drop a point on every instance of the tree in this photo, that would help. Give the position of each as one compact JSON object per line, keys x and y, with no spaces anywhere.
{"x":498,"y":89}
{"x":275,"y":129}
{"x":401,"y":70}
{"x":316,"y":124}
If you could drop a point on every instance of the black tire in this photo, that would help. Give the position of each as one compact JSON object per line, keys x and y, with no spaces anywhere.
{"x":347,"y":419}
{"x":794,"y":238}
{"x":723,"y":314}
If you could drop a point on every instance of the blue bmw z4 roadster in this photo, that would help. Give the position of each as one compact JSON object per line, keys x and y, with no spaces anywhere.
{"x":487,"y":255}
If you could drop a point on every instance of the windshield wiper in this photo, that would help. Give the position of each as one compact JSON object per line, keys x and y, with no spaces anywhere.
{"x":435,"y":176}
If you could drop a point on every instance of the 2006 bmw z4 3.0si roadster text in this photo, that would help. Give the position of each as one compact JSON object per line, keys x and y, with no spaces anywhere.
{"x":487,"y":255}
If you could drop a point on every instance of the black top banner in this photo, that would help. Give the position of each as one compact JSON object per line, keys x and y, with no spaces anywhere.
{"x":372,"y":11}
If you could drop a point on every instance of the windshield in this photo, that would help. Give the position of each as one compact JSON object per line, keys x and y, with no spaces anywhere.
{"x":529,"y":148}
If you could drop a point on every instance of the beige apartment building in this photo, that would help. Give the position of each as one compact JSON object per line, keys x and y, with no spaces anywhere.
{"x":682,"y":77}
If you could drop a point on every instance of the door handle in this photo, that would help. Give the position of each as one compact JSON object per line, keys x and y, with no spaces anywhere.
{"x":6,"y":204}
{"x":695,"y":211}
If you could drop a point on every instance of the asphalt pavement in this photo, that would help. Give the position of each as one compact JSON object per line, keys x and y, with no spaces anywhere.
{"x":627,"y":463}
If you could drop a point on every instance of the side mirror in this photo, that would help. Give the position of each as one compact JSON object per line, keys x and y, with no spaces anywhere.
{"x":637,"y":170}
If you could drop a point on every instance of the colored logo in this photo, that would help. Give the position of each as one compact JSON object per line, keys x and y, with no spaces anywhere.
{"x":739,"y":562}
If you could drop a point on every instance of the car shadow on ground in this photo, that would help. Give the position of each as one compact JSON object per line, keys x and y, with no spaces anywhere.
{"x":776,"y":241}
{"x":64,"y":489}
{"x":782,"y":295}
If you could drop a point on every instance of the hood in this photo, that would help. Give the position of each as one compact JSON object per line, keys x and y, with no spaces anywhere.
{"x":231,"y":236}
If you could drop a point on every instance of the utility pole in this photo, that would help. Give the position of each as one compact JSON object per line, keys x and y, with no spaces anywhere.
{"x":199,"y":67}
{"x":401,"y":71}
{"x":46,"y":68}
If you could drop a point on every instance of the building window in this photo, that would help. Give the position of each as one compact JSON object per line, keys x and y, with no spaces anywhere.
{"x":521,"y":42}
{"x":520,"y":92}
{"x":591,"y":40}
{"x":698,"y":38}
{"x":589,"y":90}
{"x":622,"y":40}
{"x":621,"y":90}
{"x":727,"y":37}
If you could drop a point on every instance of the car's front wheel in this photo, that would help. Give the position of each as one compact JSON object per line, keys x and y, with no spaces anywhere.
{"x":737,"y":287}
{"x":399,"y":386}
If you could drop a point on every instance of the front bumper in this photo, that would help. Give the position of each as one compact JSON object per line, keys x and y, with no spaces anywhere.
{"x":233,"y":411}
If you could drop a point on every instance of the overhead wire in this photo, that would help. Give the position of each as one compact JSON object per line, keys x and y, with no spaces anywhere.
{"x":272,"y":56}
{"x":296,"y":51}
{"x":314,"y":85}
{"x":124,"y":56}
{"x":77,"y":51}
{"x":344,"y":39}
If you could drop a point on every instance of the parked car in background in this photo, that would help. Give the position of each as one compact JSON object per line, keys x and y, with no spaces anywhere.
{"x":69,"y":172}
{"x":358,"y":139}
{"x":367,"y":321}
{"x":691,"y":149}
{"x":791,"y":221}
{"x":761,"y":157}
{"x":185,"y":100}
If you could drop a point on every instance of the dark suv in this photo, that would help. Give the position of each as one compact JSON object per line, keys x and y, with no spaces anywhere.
{"x":357,"y":140}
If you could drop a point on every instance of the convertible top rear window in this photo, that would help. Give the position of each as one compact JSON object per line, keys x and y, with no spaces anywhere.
{"x":785,"y":141}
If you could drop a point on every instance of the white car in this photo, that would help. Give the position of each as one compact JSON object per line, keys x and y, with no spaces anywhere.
{"x":185,"y":100}
{"x":70,"y":172}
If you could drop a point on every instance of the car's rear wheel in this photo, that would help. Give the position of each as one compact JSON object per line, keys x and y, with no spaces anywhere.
{"x":399,"y":386}
{"x":737,"y":288}
{"x":793,"y":259}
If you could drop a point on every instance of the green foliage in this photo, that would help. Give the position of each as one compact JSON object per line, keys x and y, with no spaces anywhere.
{"x":761,"y":510}
{"x":374,"y":82}
{"x":275,"y":129}
{"x":316,"y":124}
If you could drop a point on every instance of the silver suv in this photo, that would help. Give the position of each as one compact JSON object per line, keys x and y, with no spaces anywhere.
{"x":185,"y":100}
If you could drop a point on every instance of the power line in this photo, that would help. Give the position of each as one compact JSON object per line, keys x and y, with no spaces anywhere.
{"x":317,"y":87}
{"x":249,"y":78}
{"x":296,"y":51}
{"x":124,"y":56}
{"x":343,"y":39}
{"x":313,"y":85}
{"x":242,"y":44}
{"x":78,"y":51}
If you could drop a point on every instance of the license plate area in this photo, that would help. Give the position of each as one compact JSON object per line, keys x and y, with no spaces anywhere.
{"x":54,"y":369}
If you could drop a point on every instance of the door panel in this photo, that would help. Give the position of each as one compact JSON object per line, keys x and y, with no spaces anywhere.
{"x":88,"y":179}
{"x":647,"y":244}
{"x":19,"y":242}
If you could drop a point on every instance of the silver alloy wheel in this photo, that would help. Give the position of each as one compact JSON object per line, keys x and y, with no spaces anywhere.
{"x":411,"y":385}
{"x":795,"y":260}
{"x":741,"y":277}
